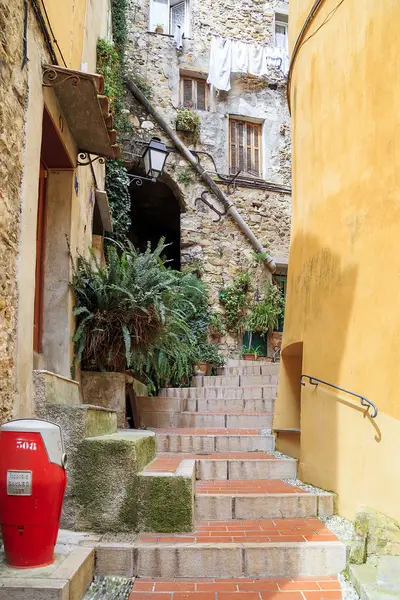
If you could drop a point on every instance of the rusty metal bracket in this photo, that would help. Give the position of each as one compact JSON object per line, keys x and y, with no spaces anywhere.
{"x":53,"y":78}
{"x":207,"y":203}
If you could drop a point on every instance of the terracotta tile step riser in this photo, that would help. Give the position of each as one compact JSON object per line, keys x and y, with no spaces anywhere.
{"x":218,"y":560}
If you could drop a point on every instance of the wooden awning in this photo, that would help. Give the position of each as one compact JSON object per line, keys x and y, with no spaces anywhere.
{"x":85,"y":108}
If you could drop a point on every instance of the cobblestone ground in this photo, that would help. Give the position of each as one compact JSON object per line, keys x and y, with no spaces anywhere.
{"x":109,"y":588}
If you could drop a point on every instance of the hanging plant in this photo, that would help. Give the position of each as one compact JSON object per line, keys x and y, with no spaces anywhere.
{"x":188,"y":121}
{"x":235,"y":301}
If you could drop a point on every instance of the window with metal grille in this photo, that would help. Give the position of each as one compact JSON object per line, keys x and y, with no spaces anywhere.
{"x":245,"y":147}
{"x":169,"y":14}
{"x":194,"y":93}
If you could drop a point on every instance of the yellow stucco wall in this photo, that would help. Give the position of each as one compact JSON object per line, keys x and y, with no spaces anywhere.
{"x":67,"y":18}
{"x":343,"y":282}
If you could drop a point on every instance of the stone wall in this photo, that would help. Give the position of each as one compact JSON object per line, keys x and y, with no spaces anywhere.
{"x":13,"y":95}
{"x":155,"y":64}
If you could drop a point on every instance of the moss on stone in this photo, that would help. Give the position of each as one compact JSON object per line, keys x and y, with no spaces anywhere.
{"x":105,"y":485}
{"x":100,"y":422}
{"x":165,"y":504}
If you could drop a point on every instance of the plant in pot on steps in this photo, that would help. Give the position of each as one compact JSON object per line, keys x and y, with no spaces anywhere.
{"x":262,"y":320}
{"x":208,"y":357}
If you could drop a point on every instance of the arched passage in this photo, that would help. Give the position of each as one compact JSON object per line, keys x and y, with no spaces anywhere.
{"x":155,"y":212}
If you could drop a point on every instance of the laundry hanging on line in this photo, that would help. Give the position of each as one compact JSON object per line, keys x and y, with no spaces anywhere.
{"x":233,"y":56}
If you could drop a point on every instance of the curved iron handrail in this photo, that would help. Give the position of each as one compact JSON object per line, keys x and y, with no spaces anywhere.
{"x":364,"y":401}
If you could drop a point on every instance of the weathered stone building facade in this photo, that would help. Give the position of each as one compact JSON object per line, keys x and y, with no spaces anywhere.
{"x":45,"y":196}
{"x":173,"y":78}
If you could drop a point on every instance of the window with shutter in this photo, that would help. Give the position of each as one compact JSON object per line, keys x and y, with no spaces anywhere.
{"x":245,"y":150}
{"x":194,"y":93}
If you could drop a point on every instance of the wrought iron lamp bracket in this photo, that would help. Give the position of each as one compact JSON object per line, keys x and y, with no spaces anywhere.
{"x":138,"y":180}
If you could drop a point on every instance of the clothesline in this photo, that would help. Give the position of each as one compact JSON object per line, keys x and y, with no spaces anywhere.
{"x":229,"y":56}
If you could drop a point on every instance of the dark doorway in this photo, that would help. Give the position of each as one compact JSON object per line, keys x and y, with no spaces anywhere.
{"x":155,"y":214}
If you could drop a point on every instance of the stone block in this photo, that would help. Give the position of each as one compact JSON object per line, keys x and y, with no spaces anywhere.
{"x":262,"y":469}
{"x":271,"y":506}
{"x":105,"y":485}
{"x":375,"y":534}
{"x":213,"y":507}
{"x":106,"y":390}
{"x":50,"y":388}
{"x":189,"y":560}
{"x":166,"y":501}
{"x":208,"y":470}
{"x":158,"y":404}
{"x":244,"y":421}
{"x":325,"y":505}
{"x":115,"y":559}
{"x":33,"y":589}
{"x":244,"y":443}
{"x":78,"y":569}
{"x":194,"y":419}
{"x":310,"y":559}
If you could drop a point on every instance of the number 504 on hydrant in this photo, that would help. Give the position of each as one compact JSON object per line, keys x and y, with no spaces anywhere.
{"x":32,"y":487}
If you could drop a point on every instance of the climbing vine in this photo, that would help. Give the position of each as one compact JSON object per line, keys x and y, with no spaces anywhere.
{"x":234,"y":299}
{"x":111,"y":64}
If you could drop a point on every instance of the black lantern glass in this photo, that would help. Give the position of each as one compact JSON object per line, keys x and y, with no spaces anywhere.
{"x":154,"y":158}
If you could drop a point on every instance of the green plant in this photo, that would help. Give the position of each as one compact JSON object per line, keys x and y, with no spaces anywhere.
{"x":143,"y":86}
{"x":260,"y":256}
{"x":124,"y":307}
{"x":264,"y":316}
{"x":216,"y":327}
{"x":234,"y":299}
{"x":185,"y":176}
{"x":117,"y":186}
{"x":209,"y":353}
{"x":194,"y":268}
{"x":160,"y":26}
{"x":188,"y":120}
{"x":251,"y":350}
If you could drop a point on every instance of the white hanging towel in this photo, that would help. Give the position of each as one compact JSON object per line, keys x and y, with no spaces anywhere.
{"x":278,"y":58}
{"x":240,"y":57}
{"x":219,"y":73}
{"x":257,"y":60}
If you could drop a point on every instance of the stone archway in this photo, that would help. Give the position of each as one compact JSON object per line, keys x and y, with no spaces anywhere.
{"x":156,"y":213}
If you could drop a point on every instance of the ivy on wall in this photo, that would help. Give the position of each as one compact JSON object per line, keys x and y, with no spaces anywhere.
{"x":111,"y":64}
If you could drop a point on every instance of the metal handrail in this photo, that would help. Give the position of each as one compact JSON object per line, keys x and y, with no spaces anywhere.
{"x":364,"y":401}
{"x":276,"y":354}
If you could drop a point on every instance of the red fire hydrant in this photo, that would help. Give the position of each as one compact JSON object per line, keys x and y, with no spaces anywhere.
{"x":32,"y":487}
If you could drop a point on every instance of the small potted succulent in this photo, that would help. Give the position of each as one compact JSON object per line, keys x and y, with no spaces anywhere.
{"x":188,"y":121}
{"x":159,"y":28}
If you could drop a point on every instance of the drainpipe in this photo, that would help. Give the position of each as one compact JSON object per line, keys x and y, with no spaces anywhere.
{"x":185,"y":152}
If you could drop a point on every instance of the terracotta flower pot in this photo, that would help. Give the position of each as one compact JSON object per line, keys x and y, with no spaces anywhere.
{"x":249,"y":357}
{"x":209,"y":368}
{"x":159,"y":30}
{"x":200,"y":368}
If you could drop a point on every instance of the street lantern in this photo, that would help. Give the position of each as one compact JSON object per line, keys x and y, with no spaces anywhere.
{"x":154,"y":158}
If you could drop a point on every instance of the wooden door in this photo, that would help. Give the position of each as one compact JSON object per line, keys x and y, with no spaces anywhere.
{"x":39,"y":274}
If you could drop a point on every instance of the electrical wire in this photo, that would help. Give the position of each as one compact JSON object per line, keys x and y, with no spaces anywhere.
{"x":301,"y":40}
{"x":44,"y":30}
{"x":52,"y":33}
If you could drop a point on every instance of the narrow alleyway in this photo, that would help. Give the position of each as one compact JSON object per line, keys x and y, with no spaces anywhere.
{"x":256,"y":534}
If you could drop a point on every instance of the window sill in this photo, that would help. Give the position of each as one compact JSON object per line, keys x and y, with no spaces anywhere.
{"x":167,"y":35}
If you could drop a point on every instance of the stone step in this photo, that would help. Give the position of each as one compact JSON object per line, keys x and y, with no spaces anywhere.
{"x":233,"y":392}
{"x":229,"y":465}
{"x":234,"y":381}
{"x":236,"y":362}
{"x":251,"y":368}
{"x":245,"y":588}
{"x":213,"y":440}
{"x":218,"y":405}
{"x":67,"y":578}
{"x":227,"y":420}
{"x":259,"y":549}
{"x":224,"y":500}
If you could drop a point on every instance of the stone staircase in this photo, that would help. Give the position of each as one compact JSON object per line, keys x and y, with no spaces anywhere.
{"x":221,"y":514}
{"x":254,"y":533}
